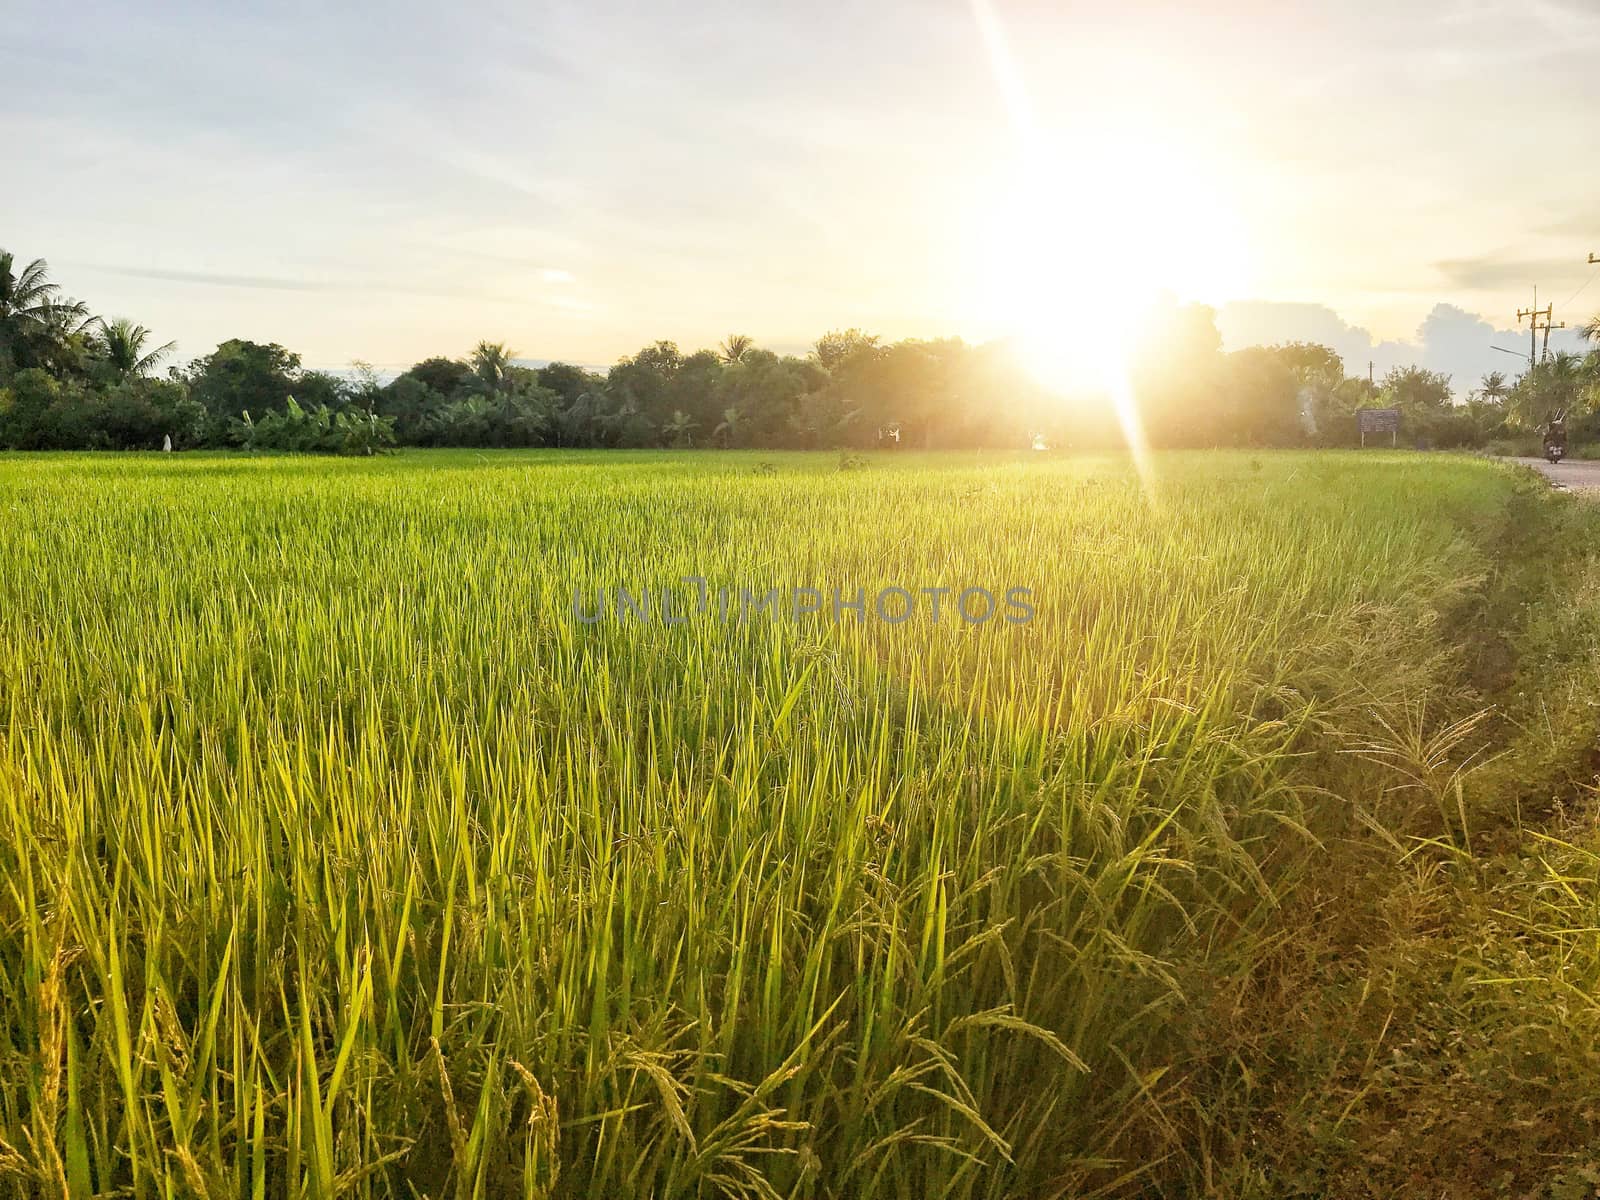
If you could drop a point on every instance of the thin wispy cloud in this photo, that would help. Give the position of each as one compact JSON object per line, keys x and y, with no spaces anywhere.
{"x":213,"y":279}
{"x":1490,"y":272}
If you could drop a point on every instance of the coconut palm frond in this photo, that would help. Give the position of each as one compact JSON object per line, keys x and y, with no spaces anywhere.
{"x":28,"y":298}
{"x":121,"y":343}
{"x":491,"y":362}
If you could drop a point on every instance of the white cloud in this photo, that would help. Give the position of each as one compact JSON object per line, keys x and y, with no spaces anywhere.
{"x":1450,"y":339}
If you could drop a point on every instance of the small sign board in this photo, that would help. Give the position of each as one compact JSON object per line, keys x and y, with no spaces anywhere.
{"x":1378,"y":420}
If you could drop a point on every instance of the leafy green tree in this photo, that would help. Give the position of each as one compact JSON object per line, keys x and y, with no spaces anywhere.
{"x":1357,"y":391}
{"x":1334,"y":412}
{"x":40,"y":412}
{"x":320,"y":389}
{"x":821,"y":419}
{"x":242,"y":376}
{"x":577,"y":404}
{"x":1178,"y":376}
{"x":365,"y":390}
{"x":1416,"y":391}
{"x":409,"y":404}
{"x":415,"y":400}
{"x":1485,"y":419}
{"x":763,"y":389}
{"x":444,"y":376}
{"x":1318,"y":372}
{"x":625,"y":426}
{"x":524,"y":417}
{"x":569,"y":382}
{"x":639,"y":389}
{"x":28,"y":410}
{"x":1314,"y":364}
{"x":838,"y":346}
{"x":696,"y":387}
{"x":1260,"y":394}
{"x":64,"y":343}
{"x":138,"y":413}
{"x":915,"y":386}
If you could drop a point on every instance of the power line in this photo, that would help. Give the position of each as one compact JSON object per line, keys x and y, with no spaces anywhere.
{"x":1593,"y":262}
{"x":1593,"y":275}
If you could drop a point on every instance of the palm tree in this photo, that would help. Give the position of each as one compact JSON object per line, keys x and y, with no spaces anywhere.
{"x":736,"y":347}
{"x":25,"y":298}
{"x":1590,"y":373}
{"x":491,"y":362}
{"x":1551,"y":391}
{"x":732,"y":425}
{"x":64,"y":341}
{"x":121,"y":344}
{"x":1590,"y":332}
{"x":1566,"y":369}
{"x":680,"y":429}
{"x":1494,"y":388}
{"x":29,"y":308}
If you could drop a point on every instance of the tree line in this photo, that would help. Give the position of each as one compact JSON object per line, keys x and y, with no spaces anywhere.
{"x":71,"y":380}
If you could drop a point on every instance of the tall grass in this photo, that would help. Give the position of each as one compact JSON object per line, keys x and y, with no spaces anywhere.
{"x":338,"y":859}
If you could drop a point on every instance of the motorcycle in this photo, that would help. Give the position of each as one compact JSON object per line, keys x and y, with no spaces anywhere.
{"x":1555,"y":440}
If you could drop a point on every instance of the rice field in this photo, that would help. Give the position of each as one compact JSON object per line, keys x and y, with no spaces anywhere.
{"x":359,"y":838}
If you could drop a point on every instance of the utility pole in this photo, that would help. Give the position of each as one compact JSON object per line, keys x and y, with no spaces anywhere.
{"x":1547,"y":328}
{"x":1533,"y":326}
{"x":1593,"y":260}
{"x":1540,"y":320}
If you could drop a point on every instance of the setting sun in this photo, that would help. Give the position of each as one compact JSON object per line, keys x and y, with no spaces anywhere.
{"x":1090,"y":226}
{"x":1090,"y":232}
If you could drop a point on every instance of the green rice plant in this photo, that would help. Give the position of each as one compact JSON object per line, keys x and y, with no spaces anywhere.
{"x":340,"y":859}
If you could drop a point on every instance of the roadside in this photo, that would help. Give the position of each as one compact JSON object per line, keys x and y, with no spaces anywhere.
{"x":1577,"y":475}
{"x":1434,"y":1021}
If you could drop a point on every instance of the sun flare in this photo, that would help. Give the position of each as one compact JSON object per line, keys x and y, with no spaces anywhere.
{"x":1091,"y":225}
{"x":1087,"y":237}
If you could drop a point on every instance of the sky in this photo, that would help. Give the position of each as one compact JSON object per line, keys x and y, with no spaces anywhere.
{"x":386,"y":182}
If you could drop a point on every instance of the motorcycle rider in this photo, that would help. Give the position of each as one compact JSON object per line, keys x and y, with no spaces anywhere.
{"x":1555,"y":438}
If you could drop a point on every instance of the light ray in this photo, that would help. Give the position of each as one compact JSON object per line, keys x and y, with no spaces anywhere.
{"x":1062,"y":276}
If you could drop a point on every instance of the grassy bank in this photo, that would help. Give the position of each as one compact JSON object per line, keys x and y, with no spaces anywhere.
{"x":342,"y":857}
{"x":1436,"y":1031}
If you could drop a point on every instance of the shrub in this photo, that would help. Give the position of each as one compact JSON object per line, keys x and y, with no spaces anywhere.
{"x":317,"y":430}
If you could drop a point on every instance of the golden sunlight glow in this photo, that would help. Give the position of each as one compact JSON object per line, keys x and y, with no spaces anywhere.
{"x":1097,"y":222}
{"x":1086,"y":238}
